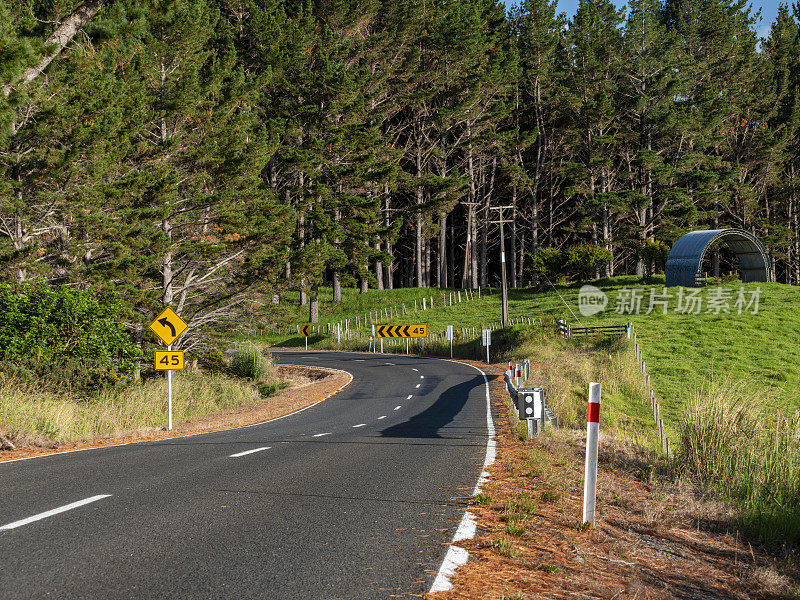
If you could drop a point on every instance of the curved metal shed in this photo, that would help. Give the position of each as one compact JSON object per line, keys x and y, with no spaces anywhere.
{"x":686,"y":256}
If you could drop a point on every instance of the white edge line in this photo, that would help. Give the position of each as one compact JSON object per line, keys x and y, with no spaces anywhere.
{"x":188,"y":435}
{"x":52,"y":512}
{"x":321,"y":434}
{"x":466,"y":528}
{"x":246,"y":452}
{"x":456,"y":556}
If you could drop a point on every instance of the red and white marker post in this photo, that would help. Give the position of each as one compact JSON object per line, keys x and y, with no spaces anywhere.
{"x":592,"y":434}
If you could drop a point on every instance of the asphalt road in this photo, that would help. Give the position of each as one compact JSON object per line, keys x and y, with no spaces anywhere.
{"x":353,"y":498}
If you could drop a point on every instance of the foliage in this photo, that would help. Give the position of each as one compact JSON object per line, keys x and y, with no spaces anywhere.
{"x":578,"y":261}
{"x":41,"y":324}
{"x":654,"y":255}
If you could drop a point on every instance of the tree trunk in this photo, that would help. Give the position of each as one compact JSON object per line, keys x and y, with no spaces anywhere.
{"x":313,"y":305}
{"x":441,"y":257}
{"x":166,"y":266}
{"x":59,"y":39}
{"x":337,"y":287}
{"x":418,"y":221}
{"x":513,"y":250}
{"x":379,"y":267}
{"x":484,"y":227}
{"x":715,"y":255}
{"x":386,"y":222}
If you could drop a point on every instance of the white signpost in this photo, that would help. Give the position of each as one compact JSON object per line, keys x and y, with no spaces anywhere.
{"x":450,"y":338}
{"x":168,"y":326}
{"x":487,"y":341}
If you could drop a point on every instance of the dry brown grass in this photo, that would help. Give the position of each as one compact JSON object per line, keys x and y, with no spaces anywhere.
{"x":307,"y":386}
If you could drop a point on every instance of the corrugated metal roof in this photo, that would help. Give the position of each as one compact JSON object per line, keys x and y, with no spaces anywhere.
{"x":686,"y":256}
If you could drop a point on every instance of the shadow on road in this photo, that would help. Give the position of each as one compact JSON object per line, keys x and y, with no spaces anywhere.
{"x":429,"y":422}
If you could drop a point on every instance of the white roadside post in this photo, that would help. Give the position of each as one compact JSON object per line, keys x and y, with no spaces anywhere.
{"x":168,"y":327}
{"x":592,"y":434}
{"x":487,"y":341}
{"x":450,"y":338}
{"x":374,"y":349}
{"x":169,"y":394}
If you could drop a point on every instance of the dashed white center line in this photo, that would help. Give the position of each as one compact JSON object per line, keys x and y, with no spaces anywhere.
{"x":383,"y":417}
{"x":422,"y":376}
{"x":398,"y":407}
{"x":359,"y":425}
{"x":359,"y":360}
{"x":238,"y":454}
{"x":413,"y":369}
{"x":321,"y":434}
{"x":419,"y":384}
{"x":409,"y":396}
{"x":54,"y":511}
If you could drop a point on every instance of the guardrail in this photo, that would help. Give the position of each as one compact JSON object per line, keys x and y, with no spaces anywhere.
{"x":535,"y":425}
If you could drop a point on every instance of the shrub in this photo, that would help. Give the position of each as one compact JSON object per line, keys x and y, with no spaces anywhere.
{"x":250,"y":363}
{"x":577,"y":261}
{"x":654,"y":255}
{"x":65,"y":333}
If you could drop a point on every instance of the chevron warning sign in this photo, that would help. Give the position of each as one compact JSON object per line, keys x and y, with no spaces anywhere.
{"x":401,"y":331}
{"x":305,"y":330}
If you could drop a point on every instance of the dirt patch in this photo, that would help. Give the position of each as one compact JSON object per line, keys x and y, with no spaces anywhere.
{"x":307,"y":386}
{"x":651,"y":540}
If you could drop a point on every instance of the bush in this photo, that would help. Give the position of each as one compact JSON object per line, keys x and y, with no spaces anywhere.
{"x":654,"y":255}
{"x":250,"y":363}
{"x":60,"y":333}
{"x":576,"y":261}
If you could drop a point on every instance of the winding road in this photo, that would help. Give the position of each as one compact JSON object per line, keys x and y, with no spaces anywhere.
{"x":355,"y":497}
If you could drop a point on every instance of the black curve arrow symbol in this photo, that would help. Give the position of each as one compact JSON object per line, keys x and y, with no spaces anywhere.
{"x":165,"y":322}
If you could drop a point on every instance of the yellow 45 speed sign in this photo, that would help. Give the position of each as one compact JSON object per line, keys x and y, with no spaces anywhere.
{"x":169,"y":360}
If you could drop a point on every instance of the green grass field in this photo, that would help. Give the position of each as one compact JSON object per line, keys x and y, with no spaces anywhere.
{"x":684,"y":352}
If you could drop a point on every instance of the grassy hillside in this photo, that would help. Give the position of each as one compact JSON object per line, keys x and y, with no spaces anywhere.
{"x":684,"y":352}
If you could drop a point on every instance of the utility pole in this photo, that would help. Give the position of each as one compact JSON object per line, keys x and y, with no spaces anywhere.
{"x":504,"y":294}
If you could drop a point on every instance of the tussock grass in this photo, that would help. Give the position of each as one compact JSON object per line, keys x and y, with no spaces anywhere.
{"x":249,"y":362}
{"x":734,"y":445}
{"x":31,"y":414}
